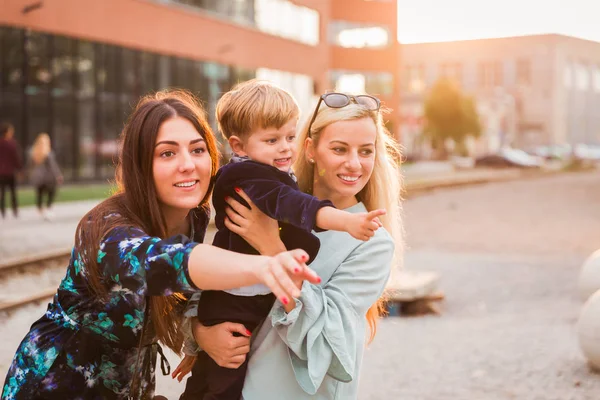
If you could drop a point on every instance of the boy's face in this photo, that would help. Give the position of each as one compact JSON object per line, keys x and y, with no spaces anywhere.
{"x":271,"y":146}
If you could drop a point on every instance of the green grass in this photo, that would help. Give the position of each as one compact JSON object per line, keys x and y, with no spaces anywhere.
{"x":68,"y":193}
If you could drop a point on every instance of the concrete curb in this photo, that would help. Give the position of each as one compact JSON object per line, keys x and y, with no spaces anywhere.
{"x":416,"y":185}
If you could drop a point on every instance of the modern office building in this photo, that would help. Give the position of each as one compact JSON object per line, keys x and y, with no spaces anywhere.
{"x":530,"y":90}
{"x":74,"y":68}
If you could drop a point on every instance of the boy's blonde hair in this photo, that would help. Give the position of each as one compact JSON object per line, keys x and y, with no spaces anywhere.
{"x":254,"y":104}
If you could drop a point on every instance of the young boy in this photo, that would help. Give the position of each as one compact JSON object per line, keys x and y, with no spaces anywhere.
{"x":259,"y":121}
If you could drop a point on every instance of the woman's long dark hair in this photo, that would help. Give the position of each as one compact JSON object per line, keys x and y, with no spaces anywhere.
{"x":136,"y":203}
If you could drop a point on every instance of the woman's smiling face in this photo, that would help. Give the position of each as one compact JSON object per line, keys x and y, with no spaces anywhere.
{"x":181,"y":167}
{"x":344,"y":159}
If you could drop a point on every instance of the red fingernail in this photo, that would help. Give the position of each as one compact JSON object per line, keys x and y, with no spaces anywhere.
{"x":296,"y":270}
{"x":227,"y":198}
{"x":248,"y":332}
{"x":304,"y":258}
{"x":237,"y":189}
{"x":318,"y":279}
{"x":284,"y":300}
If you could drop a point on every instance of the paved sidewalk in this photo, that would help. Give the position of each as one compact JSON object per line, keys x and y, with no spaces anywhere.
{"x":31,"y":234}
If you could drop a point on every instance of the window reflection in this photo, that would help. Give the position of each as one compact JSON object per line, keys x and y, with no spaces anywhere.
{"x":376,"y":83}
{"x":276,"y":17}
{"x":11,"y":80}
{"x":86,"y":110}
{"x":81,"y":92}
{"x":355,"y":35}
{"x":63,"y":104}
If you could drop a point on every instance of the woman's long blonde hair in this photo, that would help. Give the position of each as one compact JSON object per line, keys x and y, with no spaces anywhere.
{"x":41,"y":148}
{"x":383,"y":190}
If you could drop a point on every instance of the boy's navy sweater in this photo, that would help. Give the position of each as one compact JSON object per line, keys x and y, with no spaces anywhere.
{"x":277,"y":195}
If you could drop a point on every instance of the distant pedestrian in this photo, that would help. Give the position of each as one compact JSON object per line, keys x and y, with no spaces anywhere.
{"x":44,"y":174}
{"x":10,"y":163}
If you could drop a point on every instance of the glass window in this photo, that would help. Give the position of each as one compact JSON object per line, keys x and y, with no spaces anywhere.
{"x":130,"y":77}
{"x":288,"y":20}
{"x":108,"y":73}
{"x":164,"y":72}
{"x":568,"y":75}
{"x":451,"y":71}
{"x":86,"y":118}
{"x":596,"y":74}
{"x":200,"y":83}
{"x":300,"y":86}
{"x":523,"y":72}
{"x":351,"y":34}
{"x":218,"y":79}
{"x":490,"y":74}
{"x":582,"y":77}
{"x":276,"y":17}
{"x":181,"y":73}
{"x":376,"y":83}
{"x":414,"y":78}
{"x":11,"y":80}
{"x":237,"y":10}
{"x":129,"y":73}
{"x":63,"y":104}
{"x":148,"y":73}
{"x":239,"y":74}
{"x":37,"y":89}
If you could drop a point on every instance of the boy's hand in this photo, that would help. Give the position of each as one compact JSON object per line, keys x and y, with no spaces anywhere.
{"x":184,"y":367}
{"x":362,"y":226}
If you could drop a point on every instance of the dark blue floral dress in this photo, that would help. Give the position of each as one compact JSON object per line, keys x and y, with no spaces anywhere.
{"x":84,"y":348}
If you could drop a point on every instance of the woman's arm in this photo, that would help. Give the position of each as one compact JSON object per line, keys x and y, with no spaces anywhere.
{"x":212,"y":268}
{"x":321,"y":332}
{"x":136,"y":261}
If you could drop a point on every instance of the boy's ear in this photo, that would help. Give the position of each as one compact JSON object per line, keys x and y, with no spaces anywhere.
{"x":237,"y":145}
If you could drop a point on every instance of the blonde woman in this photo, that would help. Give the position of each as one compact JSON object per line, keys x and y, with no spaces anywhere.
{"x":44,"y":174}
{"x":313,"y":346}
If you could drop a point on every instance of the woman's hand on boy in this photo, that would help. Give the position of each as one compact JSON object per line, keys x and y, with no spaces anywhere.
{"x":362,"y":226}
{"x":254,"y":226}
{"x":221,"y":345}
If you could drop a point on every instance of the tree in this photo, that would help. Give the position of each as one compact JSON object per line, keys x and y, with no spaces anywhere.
{"x":449,"y":114}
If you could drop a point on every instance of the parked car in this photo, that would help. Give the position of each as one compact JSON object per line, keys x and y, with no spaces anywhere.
{"x":509,"y":157}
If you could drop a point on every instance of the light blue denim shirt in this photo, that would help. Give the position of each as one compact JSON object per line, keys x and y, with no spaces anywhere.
{"x":316,"y":350}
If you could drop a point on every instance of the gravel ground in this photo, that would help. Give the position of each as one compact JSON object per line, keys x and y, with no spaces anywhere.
{"x":508,"y":254}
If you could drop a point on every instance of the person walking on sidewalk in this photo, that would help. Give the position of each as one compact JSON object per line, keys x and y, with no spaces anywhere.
{"x":134,"y":255}
{"x":44,"y":174}
{"x":10,"y":163}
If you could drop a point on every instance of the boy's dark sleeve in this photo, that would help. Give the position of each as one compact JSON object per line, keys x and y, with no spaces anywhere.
{"x":283,"y":202}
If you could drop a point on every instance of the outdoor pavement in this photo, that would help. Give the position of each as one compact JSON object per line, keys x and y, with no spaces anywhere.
{"x":31,"y":234}
{"x":508,"y":254}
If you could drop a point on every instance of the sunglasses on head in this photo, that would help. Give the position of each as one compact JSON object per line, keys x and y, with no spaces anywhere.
{"x":340,"y":100}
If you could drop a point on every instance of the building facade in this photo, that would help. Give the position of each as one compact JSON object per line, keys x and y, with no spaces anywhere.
{"x":530,"y":90}
{"x":74,"y":68}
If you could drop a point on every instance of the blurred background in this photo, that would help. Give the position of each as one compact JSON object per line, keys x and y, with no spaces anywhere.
{"x":496,"y":105}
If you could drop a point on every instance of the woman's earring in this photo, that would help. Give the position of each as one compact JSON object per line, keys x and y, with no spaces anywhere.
{"x":310,"y":160}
